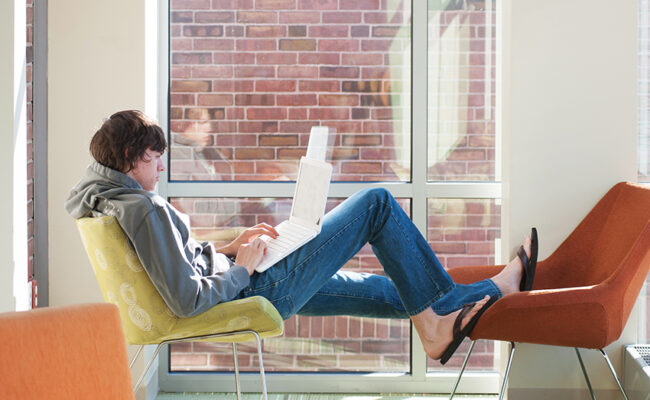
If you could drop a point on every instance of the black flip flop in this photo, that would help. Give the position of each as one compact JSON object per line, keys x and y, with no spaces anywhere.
{"x":529,"y":263}
{"x":460,"y":334}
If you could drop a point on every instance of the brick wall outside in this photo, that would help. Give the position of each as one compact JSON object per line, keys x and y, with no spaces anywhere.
{"x":248,"y":80}
{"x":461,"y":91}
{"x":29,"y":49}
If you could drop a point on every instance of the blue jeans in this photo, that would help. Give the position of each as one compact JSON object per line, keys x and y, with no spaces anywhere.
{"x":308,"y":282}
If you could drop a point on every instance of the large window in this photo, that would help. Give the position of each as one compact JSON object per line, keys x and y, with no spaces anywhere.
{"x":408,"y":86}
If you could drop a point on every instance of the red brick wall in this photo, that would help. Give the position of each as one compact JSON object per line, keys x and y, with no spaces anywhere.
{"x":463,"y":231}
{"x":29,"y":48}
{"x":461,"y":92}
{"x":249,"y":79}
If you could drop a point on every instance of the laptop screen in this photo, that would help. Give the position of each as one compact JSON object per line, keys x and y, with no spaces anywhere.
{"x":311,"y":191}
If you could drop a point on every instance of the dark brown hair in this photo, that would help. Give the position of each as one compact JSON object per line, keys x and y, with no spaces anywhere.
{"x":124,"y":138}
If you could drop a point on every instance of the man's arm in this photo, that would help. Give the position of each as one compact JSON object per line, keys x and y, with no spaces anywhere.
{"x":159,"y":245}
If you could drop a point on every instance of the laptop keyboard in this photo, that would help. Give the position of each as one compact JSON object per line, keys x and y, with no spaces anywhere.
{"x":290,"y":235}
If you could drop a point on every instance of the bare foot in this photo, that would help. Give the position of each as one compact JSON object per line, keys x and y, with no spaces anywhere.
{"x":509,"y":279}
{"x":436,"y":331}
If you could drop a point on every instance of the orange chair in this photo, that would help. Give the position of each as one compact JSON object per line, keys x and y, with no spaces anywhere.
{"x":584,"y":292}
{"x":72,"y":352}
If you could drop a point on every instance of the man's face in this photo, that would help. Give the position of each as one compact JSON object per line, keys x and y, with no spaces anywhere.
{"x":147,"y":170}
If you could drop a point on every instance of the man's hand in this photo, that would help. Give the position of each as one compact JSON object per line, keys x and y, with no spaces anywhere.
{"x":250,"y":255}
{"x":248,"y":236}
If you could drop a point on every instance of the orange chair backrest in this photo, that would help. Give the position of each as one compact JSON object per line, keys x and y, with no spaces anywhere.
{"x":622,"y":227}
{"x":71,"y":352}
{"x":609,"y":249}
{"x":596,"y":249}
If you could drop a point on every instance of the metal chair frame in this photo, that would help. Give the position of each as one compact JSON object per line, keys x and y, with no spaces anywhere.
{"x":512,"y":353}
{"x":195,"y":338}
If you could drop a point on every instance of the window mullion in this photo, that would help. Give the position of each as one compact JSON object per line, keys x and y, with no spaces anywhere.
{"x":418,"y":148}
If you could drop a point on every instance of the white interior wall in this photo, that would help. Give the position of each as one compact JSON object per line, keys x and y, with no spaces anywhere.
{"x":569,"y":128}
{"x":97,"y":66}
{"x":13,"y":159}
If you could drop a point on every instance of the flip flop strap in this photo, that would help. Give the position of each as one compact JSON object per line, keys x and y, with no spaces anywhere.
{"x":459,"y":319}
{"x":523,"y":256}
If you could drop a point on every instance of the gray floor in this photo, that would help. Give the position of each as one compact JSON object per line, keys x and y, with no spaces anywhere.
{"x":315,"y":396}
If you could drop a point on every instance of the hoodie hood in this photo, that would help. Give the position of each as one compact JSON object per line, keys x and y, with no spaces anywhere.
{"x":98,"y":187}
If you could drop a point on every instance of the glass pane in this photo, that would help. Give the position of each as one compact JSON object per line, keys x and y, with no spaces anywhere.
{"x":308,"y":344}
{"x":249,"y":79}
{"x":465,"y":232}
{"x":461,"y":79}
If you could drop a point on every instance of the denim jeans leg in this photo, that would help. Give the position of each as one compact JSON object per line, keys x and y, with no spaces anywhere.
{"x":369,"y":216}
{"x":465,"y":294}
{"x":356,"y":294}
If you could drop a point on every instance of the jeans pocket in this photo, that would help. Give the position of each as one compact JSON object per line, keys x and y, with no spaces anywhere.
{"x":285,"y":306}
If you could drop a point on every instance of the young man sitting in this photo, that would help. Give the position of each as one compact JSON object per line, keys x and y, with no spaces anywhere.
{"x":192,"y":276}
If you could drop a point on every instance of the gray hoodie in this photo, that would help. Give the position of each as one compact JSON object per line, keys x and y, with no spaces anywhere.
{"x":189,"y":275}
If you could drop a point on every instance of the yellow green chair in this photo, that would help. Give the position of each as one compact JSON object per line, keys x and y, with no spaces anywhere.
{"x":146,"y":319}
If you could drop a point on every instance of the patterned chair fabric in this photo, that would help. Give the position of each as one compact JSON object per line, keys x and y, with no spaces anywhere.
{"x":146,"y":319}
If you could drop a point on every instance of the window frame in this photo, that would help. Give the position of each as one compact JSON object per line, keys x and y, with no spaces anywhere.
{"x":418,"y":190}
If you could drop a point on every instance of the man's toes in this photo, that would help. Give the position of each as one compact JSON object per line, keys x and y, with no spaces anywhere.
{"x":527,"y":245}
{"x":477,"y":306}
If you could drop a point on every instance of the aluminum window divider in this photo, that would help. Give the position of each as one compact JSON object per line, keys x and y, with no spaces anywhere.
{"x":327,"y":382}
{"x":416,"y":191}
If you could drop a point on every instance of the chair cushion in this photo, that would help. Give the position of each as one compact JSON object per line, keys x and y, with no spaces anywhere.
{"x":146,"y":319}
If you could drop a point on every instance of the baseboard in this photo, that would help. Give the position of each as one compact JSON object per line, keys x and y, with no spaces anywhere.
{"x":562,"y":394}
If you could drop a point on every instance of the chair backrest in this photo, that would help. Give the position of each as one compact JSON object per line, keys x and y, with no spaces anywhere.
{"x":596,"y":249}
{"x":124,"y":282}
{"x":609,"y":248}
{"x":619,"y":226}
{"x":71,"y":352}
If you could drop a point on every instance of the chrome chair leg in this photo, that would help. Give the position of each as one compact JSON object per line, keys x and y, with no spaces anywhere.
{"x":611,"y":368}
{"x":146,"y":368}
{"x":236,"y":362}
{"x":135,"y":357}
{"x":216,"y":335}
{"x":505,"y":378}
{"x":462,"y":369}
{"x":262,"y":376}
{"x":584,"y":372}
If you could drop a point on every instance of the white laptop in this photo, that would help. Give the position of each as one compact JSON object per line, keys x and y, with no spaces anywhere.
{"x":307,"y":212}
